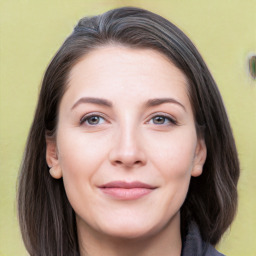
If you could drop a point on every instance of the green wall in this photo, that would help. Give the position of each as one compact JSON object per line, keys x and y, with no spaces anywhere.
{"x":31,"y":32}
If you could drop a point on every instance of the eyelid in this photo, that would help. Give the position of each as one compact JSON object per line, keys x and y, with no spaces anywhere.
{"x":99,"y":114}
{"x":162,"y":114}
{"x":88,"y":115}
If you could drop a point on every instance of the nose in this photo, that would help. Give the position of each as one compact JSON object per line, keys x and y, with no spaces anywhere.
{"x":128,"y":150}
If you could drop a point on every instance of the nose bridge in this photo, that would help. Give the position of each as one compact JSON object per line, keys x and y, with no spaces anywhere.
{"x":128,"y":138}
{"x":127,"y":147}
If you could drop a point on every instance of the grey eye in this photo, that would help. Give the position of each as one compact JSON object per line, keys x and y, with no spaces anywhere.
{"x":162,"y":120}
{"x":159,"y":120}
{"x":93,"y":120}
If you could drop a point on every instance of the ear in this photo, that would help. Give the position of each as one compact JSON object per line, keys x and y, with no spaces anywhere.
{"x":199,"y":159}
{"x":52,"y":158}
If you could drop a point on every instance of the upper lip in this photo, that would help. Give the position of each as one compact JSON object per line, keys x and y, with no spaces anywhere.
{"x":127,"y":185}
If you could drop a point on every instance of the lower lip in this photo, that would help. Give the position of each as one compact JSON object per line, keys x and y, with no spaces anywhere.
{"x":126,"y":193}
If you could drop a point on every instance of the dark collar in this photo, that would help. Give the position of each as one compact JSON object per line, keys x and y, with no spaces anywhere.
{"x":193,"y":245}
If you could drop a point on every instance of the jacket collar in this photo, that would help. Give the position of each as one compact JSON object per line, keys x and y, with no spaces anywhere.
{"x":193,"y":245}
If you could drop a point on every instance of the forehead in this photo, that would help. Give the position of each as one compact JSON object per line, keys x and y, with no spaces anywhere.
{"x":112,"y":71}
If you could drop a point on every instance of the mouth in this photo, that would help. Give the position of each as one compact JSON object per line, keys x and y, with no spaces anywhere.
{"x":126,"y":190}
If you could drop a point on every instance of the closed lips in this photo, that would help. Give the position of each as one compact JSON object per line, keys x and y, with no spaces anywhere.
{"x":126,"y":190}
{"x":127,"y":185}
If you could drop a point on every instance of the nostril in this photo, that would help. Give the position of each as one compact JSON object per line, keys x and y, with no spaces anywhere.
{"x":127,"y":157}
{"x":118,"y":162}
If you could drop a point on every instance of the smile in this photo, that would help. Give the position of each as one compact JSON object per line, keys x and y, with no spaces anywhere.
{"x":126,"y":190}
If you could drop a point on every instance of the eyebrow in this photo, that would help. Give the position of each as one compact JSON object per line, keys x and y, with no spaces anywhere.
{"x":97,"y":101}
{"x":156,"y":102}
{"x":107,"y":103}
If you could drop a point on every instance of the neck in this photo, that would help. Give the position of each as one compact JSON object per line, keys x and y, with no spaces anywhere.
{"x":165,"y":242}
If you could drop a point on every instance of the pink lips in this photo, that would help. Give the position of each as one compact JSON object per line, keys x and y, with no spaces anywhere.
{"x":126,"y":190}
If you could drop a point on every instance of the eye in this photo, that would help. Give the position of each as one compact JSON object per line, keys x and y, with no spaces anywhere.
{"x":92,"y":120}
{"x":162,"y":120}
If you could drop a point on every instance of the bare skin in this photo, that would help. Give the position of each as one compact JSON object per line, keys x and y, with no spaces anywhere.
{"x":126,"y":148}
{"x":160,"y":244}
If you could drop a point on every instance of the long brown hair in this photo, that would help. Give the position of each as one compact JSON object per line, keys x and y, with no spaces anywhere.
{"x":46,"y":218}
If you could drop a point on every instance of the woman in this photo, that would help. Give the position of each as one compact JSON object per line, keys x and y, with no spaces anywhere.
{"x":130,"y":151}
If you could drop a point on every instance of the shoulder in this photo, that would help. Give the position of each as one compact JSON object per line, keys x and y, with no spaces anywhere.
{"x":193,"y":245}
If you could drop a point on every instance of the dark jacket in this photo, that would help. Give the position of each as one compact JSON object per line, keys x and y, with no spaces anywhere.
{"x":193,"y":245}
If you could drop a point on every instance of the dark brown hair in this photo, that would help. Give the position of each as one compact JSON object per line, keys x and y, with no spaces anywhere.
{"x":46,"y":218}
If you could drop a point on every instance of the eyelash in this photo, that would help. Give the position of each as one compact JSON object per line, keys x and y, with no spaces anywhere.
{"x":87,"y":117}
{"x":170,"y":120}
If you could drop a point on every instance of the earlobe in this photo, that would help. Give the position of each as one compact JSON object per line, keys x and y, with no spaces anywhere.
{"x":56,"y":172}
{"x":200,"y":157}
{"x":52,"y":158}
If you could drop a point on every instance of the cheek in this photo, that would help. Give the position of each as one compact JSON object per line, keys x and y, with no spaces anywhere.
{"x":173,"y":154}
{"x":175,"y":165}
{"x":173,"y":157}
{"x":80,"y":157}
{"x":79,"y":152}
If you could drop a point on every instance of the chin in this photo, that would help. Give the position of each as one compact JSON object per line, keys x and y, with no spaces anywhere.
{"x":141,"y":228}
{"x":130,"y":230}
{"x":130,"y":234}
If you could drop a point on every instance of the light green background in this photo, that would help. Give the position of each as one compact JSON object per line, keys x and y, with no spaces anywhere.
{"x":31,"y":32}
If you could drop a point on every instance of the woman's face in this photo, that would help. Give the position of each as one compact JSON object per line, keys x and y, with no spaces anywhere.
{"x":126,"y":143}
